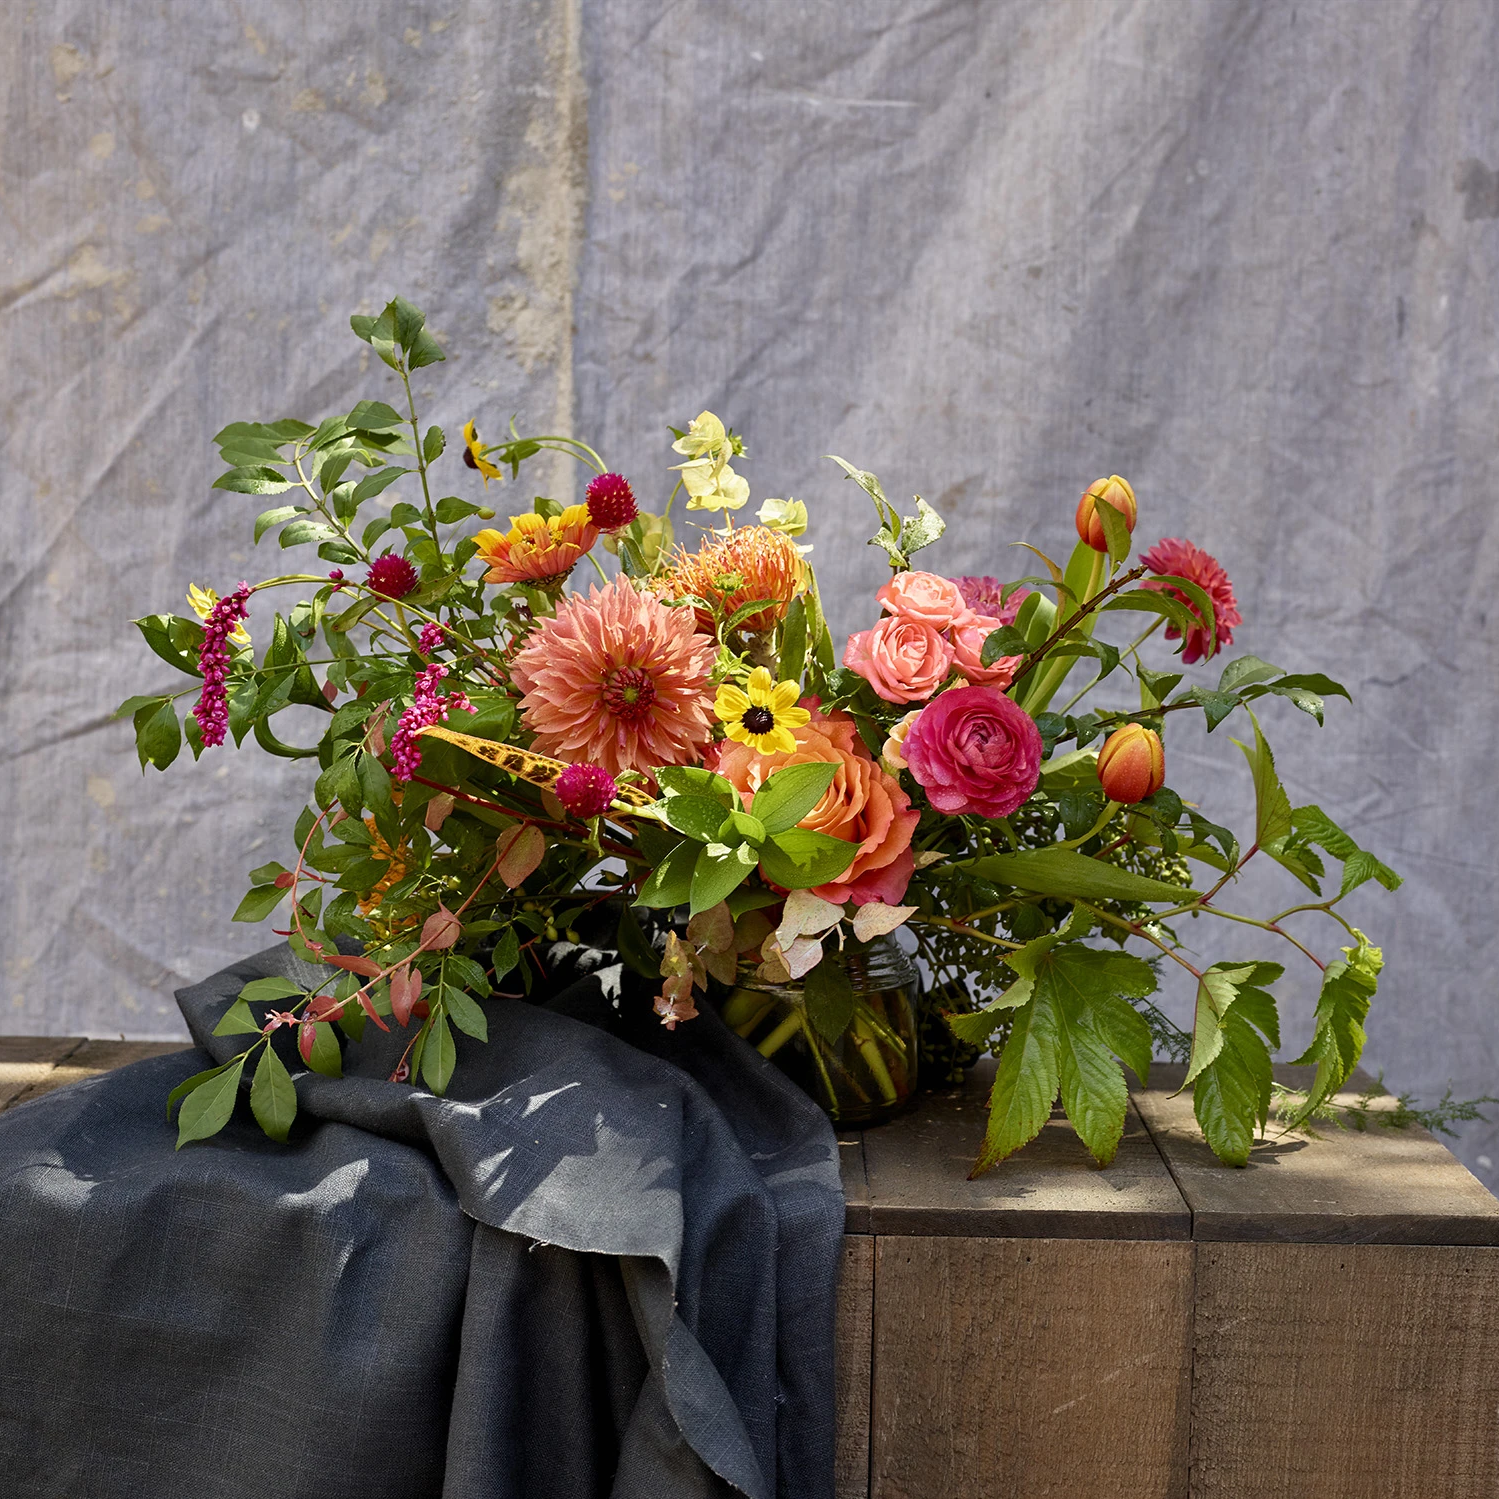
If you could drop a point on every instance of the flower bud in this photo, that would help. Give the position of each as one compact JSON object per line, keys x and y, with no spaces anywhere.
{"x":1132,"y":764}
{"x":1111,"y":491}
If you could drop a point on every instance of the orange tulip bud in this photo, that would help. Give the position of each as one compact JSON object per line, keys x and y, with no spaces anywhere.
{"x":1112,"y":491}
{"x":1132,"y":764}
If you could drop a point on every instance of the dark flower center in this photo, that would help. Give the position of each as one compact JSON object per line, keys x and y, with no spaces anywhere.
{"x":758,"y":720}
{"x":629,"y":692}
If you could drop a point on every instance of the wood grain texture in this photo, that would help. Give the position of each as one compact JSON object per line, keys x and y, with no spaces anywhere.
{"x":855,"y":1182}
{"x":917,"y":1168}
{"x":75,"y":1059}
{"x":1346,"y":1186}
{"x":1030,"y":1367}
{"x":1366,"y":1371}
{"x":851,"y":1367}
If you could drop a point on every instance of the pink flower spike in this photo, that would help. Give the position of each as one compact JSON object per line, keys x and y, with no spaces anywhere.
{"x":428,"y":706}
{"x":212,"y":708}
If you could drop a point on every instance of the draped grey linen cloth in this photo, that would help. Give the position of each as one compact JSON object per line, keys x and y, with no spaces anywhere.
{"x":593,"y":1268}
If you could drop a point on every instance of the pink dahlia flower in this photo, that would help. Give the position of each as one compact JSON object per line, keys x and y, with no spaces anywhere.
{"x":1184,"y":560}
{"x":618,"y":680}
{"x":985,"y":596}
{"x":973,"y":750}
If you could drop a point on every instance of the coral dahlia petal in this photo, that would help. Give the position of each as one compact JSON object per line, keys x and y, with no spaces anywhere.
{"x":617,"y":680}
{"x":1183,"y":560}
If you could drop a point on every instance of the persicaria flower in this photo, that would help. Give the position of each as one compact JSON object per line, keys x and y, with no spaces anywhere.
{"x":1114,"y":492}
{"x":975,"y":751}
{"x":391,"y":576}
{"x":214,"y":656}
{"x":611,"y":502}
{"x":986,"y":596}
{"x":1181,"y":559}
{"x":202,"y":601}
{"x":1132,"y":764}
{"x":751,"y":562}
{"x":430,"y":639}
{"x":926,"y":599}
{"x":902,"y":659}
{"x":585,"y":790}
{"x":428,"y":706}
{"x":617,"y":679}
{"x":537,"y":549}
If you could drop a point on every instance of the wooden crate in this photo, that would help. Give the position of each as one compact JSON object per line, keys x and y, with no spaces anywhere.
{"x":1324,"y":1321}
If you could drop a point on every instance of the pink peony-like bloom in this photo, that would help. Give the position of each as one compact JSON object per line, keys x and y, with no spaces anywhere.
{"x":903,"y":661}
{"x":428,"y":706}
{"x":864,"y":804}
{"x":617,"y":679}
{"x":973,"y":750}
{"x":986,"y":596}
{"x":212,"y":707}
{"x":967,"y":651}
{"x":585,"y":790}
{"x":925,"y":599}
{"x":1184,"y":560}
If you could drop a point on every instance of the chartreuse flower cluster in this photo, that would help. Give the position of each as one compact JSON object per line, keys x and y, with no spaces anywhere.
{"x":518,"y":740}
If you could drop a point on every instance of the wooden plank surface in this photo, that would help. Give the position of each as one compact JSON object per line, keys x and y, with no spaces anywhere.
{"x":851,"y":1367}
{"x":1031,"y":1368}
{"x":855,"y":1183}
{"x":63,"y":1060}
{"x":1378,"y":1186}
{"x":917,"y":1166}
{"x":1366,"y":1371}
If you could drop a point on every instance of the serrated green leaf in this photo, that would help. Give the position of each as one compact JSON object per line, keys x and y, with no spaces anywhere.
{"x":787,"y":795}
{"x":256,"y":479}
{"x":1025,"y":1085}
{"x":209,"y":1106}
{"x":1217,"y":989}
{"x":1231,"y":1096}
{"x":1348,"y":987}
{"x":1272,"y":807}
{"x":273,"y":1096}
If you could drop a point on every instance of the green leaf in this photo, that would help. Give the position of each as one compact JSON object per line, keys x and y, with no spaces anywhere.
{"x":451,"y":509}
{"x":694,"y":780}
{"x":740,"y":827}
{"x":789,"y":794}
{"x":237,"y":1021}
{"x":637,"y":953}
{"x":1005,"y":641}
{"x":257,"y":479}
{"x":1217,"y":989}
{"x":1094,"y":1093}
{"x":372,"y":484}
{"x":1245,"y":671}
{"x":744,"y":612}
{"x":273,"y":1096}
{"x":829,"y":998}
{"x":1216,"y":706}
{"x":792,"y":656}
{"x":158,"y":735}
{"x":465,"y":1013}
{"x":269,"y":990}
{"x":698,"y":816}
{"x":176,"y":640}
{"x":1207,"y":617}
{"x":1338,"y":1038}
{"x":1116,"y":532}
{"x":798,"y":859}
{"x":188,"y":1084}
{"x":439,"y":1056}
{"x":426,"y":350}
{"x":506,"y":954}
{"x":714,"y":875}
{"x":375,"y":416}
{"x":326,"y":1056}
{"x":303,"y":532}
{"x":1272,"y":807}
{"x":1070,"y":875}
{"x":468,"y":974}
{"x":922,"y":529}
{"x":1313,"y":825}
{"x":1159,"y":684}
{"x":1231,"y":1096}
{"x":258,"y":903}
{"x":207,"y":1108}
{"x":1025,"y":1085}
{"x":433,"y":444}
{"x":670,"y":883}
{"x":268,"y":518}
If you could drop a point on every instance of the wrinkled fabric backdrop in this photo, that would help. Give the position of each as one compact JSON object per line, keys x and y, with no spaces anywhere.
{"x":1243,"y":254}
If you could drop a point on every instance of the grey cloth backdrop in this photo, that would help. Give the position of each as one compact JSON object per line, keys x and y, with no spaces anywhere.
{"x":1242,"y":253}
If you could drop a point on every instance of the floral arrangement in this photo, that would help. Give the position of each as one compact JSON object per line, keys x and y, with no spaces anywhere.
{"x":506,"y":753}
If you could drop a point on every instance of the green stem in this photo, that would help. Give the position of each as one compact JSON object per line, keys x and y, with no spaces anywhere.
{"x":421,"y":459}
{"x":781,"y":1034}
{"x":869,"y":1049}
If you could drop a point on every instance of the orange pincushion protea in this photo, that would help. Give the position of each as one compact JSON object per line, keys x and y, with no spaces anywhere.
{"x":537,"y":549}
{"x":750,"y":563}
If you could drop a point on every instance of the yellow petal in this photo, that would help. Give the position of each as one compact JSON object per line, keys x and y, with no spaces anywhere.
{"x":793,"y":718}
{"x":777,"y":742}
{"x":736,"y":730}
{"x":784,"y":697}
{"x":730,"y":702}
{"x":761,"y":687}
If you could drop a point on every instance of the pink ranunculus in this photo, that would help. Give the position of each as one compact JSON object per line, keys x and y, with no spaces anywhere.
{"x":967,"y":649}
{"x":903,"y":661}
{"x":973,"y":750}
{"x":925,"y":599}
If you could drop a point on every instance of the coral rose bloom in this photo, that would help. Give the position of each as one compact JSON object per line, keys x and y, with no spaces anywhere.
{"x":973,"y":750}
{"x":902,"y":659}
{"x":863,"y":805}
{"x":967,"y":652}
{"x":618,"y":680}
{"x":535,"y":549}
{"x":926,"y":599}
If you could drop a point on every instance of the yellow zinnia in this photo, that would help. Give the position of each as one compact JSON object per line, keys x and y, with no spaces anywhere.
{"x":763,"y":714}
{"x":473,"y":454}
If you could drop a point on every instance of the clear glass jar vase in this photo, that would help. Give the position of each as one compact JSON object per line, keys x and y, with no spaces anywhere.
{"x":869,"y":1072}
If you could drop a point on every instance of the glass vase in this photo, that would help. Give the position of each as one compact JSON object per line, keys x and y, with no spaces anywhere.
{"x":869,"y":1072}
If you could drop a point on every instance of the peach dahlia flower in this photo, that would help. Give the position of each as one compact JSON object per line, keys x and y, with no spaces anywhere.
{"x":618,"y":680}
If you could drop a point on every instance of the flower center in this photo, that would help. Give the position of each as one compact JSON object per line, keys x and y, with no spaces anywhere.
{"x":629,"y":692}
{"x":758,"y":720}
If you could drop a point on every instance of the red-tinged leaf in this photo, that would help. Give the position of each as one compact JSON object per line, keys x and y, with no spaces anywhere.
{"x":421,"y":1009}
{"x":306,"y":1035}
{"x":441,"y":929}
{"x":405,"y":990}
{"x":520,"y":849}
{"x":285,"y":880}
{"x":367,"y":967}
{"x":323,"y":1007}
{"x":438,"y":810}
{"x":369,"y":1009}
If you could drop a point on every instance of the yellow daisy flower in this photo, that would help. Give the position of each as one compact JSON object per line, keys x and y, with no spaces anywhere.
{"x":473,"y":455}
{"x":203,"y":600}
{"x":763,"y":714}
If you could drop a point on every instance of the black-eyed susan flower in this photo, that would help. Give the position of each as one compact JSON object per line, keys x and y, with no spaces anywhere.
{"x":473,"y":454}
{"x":762,"y":714}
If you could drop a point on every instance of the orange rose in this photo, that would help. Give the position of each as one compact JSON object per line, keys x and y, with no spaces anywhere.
{"x":863,"y":805}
